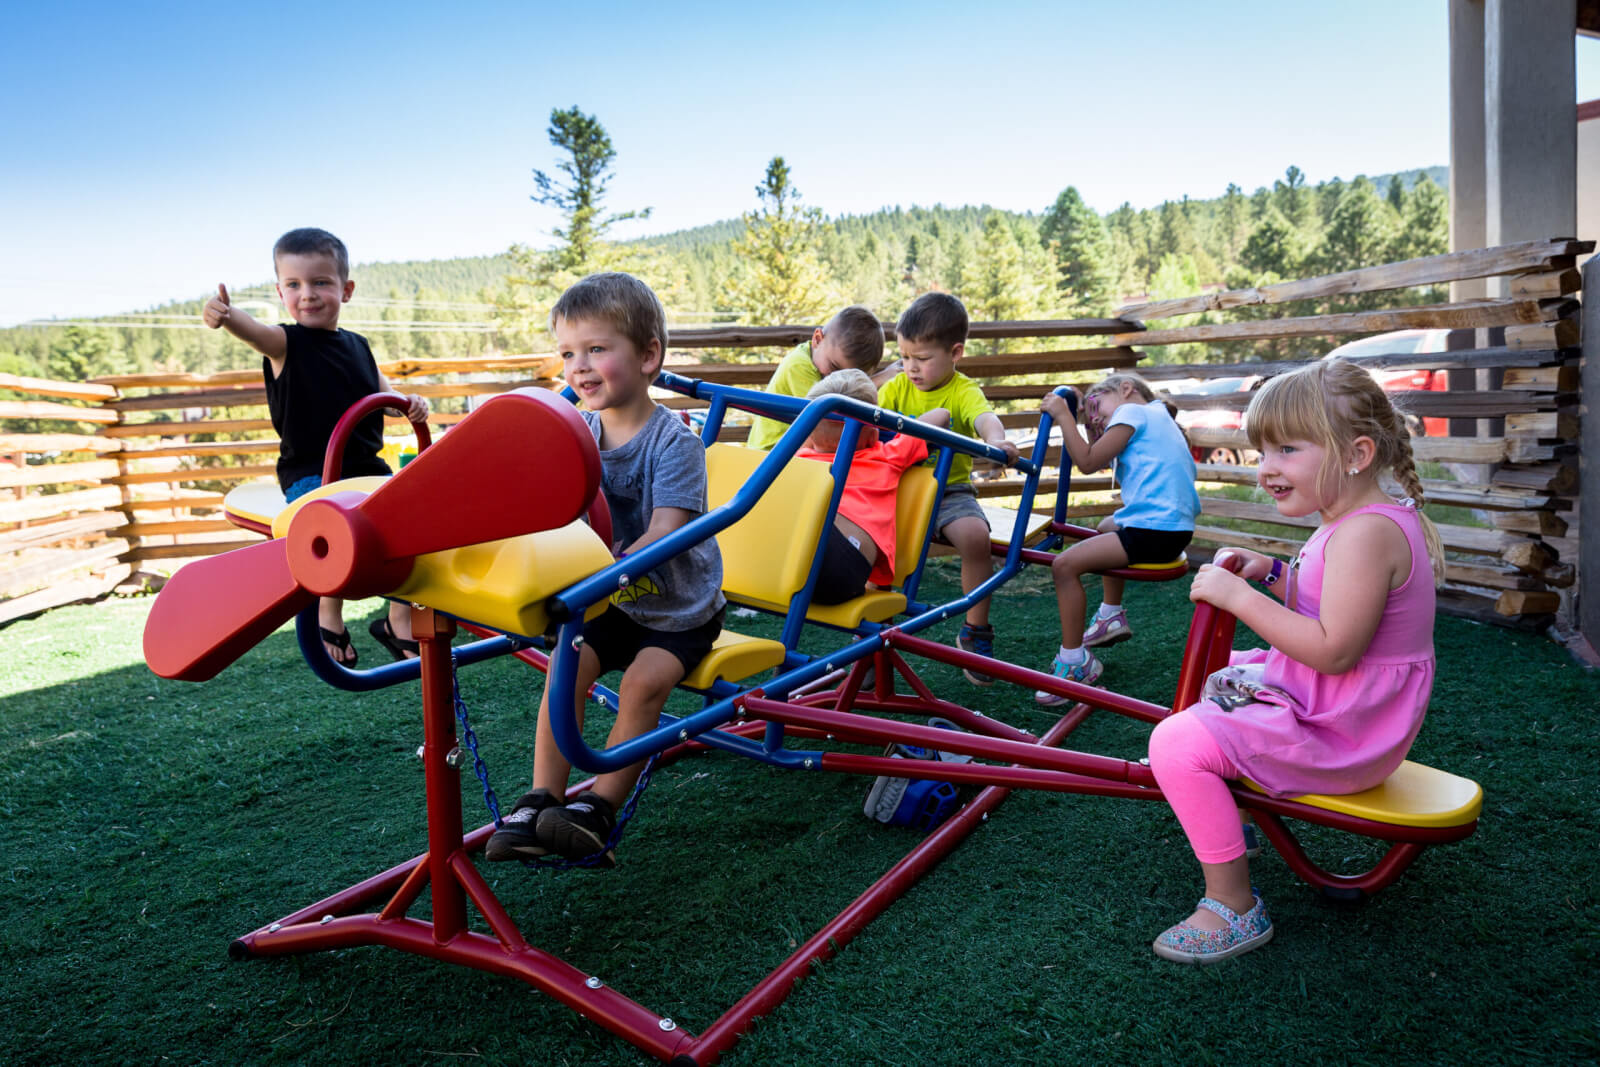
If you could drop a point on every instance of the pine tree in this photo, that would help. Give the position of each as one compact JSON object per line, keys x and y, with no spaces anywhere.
{"x":1424,"y":222}
{"x":536,"y":278}
{"x":1359,"y":233}
{"x":1081,"y":248}
{"x":995,"y":285}
{"x":782,"y":281}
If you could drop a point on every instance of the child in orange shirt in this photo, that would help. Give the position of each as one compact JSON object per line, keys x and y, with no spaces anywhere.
{"x":861,"y":544}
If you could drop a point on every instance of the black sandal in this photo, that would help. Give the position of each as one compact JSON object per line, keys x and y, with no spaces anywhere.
{"x":341,"y":641}
{"x":384,"y":634}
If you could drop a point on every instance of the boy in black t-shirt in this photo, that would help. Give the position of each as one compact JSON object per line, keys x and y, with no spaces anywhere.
{"x":313,"y":372}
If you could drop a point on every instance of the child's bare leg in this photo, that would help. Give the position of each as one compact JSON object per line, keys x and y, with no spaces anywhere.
{"x":646,"y":685}
{"x":550,"y":767}
{"x":969,"y":536}
{"x":330,"y":617}
{"x":400,"y":621}
{"x":1110,"y":586}
{"x":1098,"y":553}
{"x":1227,"y":883}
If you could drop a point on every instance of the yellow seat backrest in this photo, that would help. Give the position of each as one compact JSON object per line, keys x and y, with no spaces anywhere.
{"x":1414,"y":795}
{"x":913,"y":511}
{"x":767,"y":554}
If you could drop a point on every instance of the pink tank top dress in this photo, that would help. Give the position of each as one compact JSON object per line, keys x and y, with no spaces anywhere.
{"x":1338,"y":733}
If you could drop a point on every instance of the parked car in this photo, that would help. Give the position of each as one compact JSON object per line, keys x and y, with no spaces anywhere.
{"x":1216,"y":418}
{"x":1421,"y":379}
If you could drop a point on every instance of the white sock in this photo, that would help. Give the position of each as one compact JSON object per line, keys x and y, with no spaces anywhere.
{"x":1108,"y":610}
{"x":1072,"y":655}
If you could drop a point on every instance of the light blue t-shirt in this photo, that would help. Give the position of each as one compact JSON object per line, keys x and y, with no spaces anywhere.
{"x":1155,"y":470}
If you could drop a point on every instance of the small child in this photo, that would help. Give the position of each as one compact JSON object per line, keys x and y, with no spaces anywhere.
{"x":861,"y":545}
{"x":313,"y":372}
{"x":852,"y":338}
{"x":932,"y":336}
{"x":1337,"y":700}
{"x":611,"y":334}
{"x":1155,"y":523}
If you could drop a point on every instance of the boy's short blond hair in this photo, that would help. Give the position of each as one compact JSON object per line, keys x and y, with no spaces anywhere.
{"x":619,"y":300}
{"x":859,"y":336}
{"x":850,"y":382}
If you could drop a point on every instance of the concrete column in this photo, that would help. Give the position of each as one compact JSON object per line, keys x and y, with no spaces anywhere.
{"x":1468,"y":172}
{"x":1530,"y":121}
{"x":1468,"y":166}
{"x":1588,"y":590}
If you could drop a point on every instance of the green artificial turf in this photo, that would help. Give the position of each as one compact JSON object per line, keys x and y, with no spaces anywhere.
{"x":147,"y":823}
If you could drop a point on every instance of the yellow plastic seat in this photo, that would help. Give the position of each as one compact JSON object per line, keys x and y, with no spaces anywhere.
{"x":280,"y":520}
{"x":733,"y":658}
{"x":1181,"y":563}
{"x":1003,"y":520}
{"x":913,"y":511}
{"x":1414,"y":795}
{"x":506,"y":584}
{"x":767,"y":554}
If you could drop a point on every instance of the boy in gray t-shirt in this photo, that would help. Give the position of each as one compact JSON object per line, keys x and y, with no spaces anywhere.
{"x":612,"y":337}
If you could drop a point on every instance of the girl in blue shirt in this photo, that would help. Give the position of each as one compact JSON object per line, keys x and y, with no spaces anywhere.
{"x":1154,"y":525}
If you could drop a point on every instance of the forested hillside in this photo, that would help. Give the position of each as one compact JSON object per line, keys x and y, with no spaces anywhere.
{"x":783,"y":259}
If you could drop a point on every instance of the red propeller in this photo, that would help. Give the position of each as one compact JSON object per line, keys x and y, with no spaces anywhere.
{"x":524,"y":461}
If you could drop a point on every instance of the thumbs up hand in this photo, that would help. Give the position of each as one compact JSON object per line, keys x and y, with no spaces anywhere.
{"x":217,"y":308}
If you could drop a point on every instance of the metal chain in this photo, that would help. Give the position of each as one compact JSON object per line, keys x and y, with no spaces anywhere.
{"x":492,"y":802}
{"x":479,"y":768}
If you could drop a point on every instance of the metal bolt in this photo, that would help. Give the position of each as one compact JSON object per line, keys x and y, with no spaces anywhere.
{"x":807,"y":764}
{"x":622,"y":581}
{"x":577,"y":642}
{"x":274,"y":928}
{"x":667,"y":1025}
{"x":593,"y":983}
{"x":326,"y":919}
{"x":683,"y":735}
{"x":602,"y":699}
{"x":453,"y":757}
{"x":984,"y":817}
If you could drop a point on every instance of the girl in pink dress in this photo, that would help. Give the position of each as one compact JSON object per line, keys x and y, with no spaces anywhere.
{"x":1334,"y":704}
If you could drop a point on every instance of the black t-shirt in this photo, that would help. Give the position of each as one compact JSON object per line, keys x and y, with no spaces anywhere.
{"x":324,"y":372}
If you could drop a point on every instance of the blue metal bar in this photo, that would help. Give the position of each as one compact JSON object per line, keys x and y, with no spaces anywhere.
{"x":366,"y":680}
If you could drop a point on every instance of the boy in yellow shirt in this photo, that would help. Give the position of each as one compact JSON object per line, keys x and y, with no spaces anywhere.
{"x":932,"y":335}
{"x":852,"y":338}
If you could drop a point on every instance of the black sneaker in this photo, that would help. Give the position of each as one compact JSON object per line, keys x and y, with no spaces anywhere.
{"x":581,"y":829}
{"x":515,"y":837}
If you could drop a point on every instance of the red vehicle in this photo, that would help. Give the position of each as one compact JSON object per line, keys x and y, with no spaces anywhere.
{"x":1218,"y":418}
{"x":1420,"y":379}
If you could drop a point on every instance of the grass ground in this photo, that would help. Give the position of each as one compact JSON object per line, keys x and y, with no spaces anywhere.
{"x":147,"y":823}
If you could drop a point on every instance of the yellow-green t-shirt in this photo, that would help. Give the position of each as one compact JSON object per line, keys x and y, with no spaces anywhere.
{"x":961,"y":396}
{"x":795,"y":376}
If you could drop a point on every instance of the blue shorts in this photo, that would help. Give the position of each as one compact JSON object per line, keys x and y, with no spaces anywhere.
{"x":302,"y":487}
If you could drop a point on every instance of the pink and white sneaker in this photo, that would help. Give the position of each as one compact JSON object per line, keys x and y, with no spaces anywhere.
{"x":1107,"y":631}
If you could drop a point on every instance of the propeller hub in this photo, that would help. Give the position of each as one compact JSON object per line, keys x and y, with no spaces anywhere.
{"x":335,"y":550}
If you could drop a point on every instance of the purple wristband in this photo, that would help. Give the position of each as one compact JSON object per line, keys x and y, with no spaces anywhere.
{"x":1276,"y":573}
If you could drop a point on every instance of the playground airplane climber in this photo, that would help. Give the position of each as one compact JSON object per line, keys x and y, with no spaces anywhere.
{"x":444,"y":535}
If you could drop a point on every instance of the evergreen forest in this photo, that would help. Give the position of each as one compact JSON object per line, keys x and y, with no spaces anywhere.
{"x":785,"y":262}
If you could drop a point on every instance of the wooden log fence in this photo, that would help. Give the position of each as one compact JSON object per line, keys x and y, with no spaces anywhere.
{"x":113,"y":478}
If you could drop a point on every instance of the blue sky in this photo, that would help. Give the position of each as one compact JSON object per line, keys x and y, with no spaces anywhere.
{"x":161,"y":149}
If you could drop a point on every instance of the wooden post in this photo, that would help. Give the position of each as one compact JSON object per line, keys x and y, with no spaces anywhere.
{"x":1588,"y":588}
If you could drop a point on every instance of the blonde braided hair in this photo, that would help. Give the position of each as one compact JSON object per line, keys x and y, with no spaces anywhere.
{"x":1331,"y":403}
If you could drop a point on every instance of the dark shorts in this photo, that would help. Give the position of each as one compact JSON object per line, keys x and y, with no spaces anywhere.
{"x":1153,"y":546}
{"x":960,"y":501}
{"x":617,"y":639}
{"x":844,"y":570}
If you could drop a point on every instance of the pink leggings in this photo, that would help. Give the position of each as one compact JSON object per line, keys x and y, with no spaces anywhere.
{"x":1191,"y":770}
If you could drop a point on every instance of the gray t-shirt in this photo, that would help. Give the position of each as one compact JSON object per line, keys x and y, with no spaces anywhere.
{"x":663,"y":466}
